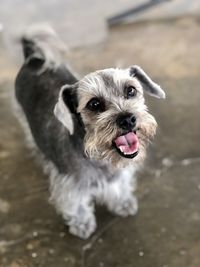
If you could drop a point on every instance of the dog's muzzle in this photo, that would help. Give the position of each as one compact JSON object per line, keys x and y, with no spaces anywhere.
{"x":127,"y":144}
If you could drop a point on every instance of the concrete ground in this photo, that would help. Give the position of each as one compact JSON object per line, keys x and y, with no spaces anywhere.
{"x":166,"y":231}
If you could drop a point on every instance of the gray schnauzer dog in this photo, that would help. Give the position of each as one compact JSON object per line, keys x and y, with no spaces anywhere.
{"x":92,"y":132}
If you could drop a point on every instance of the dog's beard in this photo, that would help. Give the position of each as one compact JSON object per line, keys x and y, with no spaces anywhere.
{"x":100,"y":137}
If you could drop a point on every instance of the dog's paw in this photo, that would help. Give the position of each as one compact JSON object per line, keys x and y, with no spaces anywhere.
{"x":83,"y":228}
{"x":126,"y":207}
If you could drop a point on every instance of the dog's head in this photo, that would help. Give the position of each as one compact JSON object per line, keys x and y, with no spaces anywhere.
{"x":111,"y":105}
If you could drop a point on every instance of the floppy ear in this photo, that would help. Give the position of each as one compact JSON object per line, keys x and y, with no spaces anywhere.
{"x":151,"y":87}
{"x":66,"y":106}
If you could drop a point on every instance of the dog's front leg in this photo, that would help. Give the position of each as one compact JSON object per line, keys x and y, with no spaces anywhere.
{"x":73,"y":200}
{"x":120,"y":197}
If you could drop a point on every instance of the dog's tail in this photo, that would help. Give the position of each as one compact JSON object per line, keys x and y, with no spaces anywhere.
{"x":42,"y":48}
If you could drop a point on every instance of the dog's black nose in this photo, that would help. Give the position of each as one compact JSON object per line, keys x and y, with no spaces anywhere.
{"x":126,"y":121}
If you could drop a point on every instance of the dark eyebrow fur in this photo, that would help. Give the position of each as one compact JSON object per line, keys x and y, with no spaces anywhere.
{"x":108,"y":80}
{"x":110,"y":84}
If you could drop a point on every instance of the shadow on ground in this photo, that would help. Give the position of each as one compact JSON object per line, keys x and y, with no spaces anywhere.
{"x":166,"y":231}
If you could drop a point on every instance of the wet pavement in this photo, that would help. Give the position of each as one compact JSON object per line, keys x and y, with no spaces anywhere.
{"x":166,"y":231}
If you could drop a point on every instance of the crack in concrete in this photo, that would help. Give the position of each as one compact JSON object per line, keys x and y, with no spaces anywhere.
{"x":94,"y":239}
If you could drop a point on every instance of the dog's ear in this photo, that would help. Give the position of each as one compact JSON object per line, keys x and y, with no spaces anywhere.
{"x":67,"y":106}
{"x":149,"y":86}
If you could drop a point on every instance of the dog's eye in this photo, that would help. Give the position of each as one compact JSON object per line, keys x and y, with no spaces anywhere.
{"x":130,"y":92}
{"x":96,"y":104}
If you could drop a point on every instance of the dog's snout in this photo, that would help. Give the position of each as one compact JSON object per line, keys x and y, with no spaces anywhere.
{"x":126,"y":121}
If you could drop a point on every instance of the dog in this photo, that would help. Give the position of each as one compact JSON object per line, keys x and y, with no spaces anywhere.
{"x":92,"y":132}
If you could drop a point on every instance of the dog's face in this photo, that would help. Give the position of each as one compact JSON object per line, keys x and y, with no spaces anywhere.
{"x":111,"y":105}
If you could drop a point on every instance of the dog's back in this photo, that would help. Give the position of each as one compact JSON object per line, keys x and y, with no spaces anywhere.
{"x":37,"y":89}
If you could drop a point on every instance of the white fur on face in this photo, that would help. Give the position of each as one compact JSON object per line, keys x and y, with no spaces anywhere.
{"x":101,"y":128}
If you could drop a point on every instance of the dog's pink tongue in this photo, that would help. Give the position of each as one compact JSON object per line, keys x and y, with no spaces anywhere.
{"x":128,"y":143}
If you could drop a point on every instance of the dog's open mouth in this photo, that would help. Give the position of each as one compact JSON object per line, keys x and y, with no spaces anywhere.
{"x":127,"y":145}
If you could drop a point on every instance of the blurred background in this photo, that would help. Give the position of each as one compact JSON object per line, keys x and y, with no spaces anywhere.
{"x":161,"y":36}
